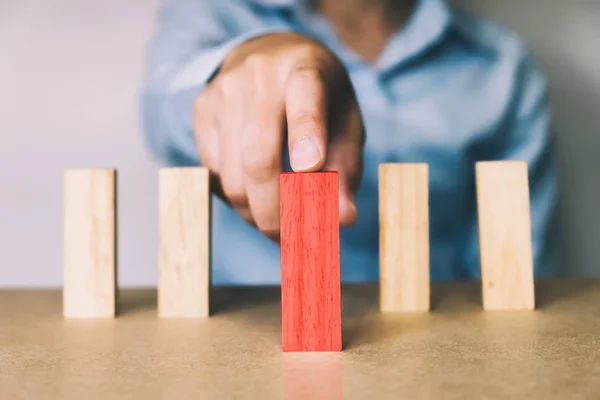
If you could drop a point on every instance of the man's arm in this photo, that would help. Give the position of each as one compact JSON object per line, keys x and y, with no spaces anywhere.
{"x":191,"y":40}
{"x":527,"y":136}
{"x":228,"y":91}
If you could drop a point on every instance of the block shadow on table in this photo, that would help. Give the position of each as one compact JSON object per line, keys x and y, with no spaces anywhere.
{"x":231,"y":298}
{"x":364,"y":324}
{"x":467,"y":296}
{"x":134,"y":301}
{"x":559,"y":293}
{"x":223,"y":299}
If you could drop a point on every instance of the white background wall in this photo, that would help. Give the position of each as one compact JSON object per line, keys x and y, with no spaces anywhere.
{"x":69,"y":75}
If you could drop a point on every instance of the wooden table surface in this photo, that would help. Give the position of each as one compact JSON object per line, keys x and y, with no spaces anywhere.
{"x":456,"y":351}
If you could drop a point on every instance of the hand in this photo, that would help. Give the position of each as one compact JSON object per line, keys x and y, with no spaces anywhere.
{"x":270,"y":88}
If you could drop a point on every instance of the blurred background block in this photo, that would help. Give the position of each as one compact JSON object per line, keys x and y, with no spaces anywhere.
{"x":563,"y":36}
{"x":69,"y":78}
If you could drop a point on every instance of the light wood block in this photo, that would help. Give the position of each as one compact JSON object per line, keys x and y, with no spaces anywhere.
{"x":505,"y":235}
{"x":310,"y":262}
{"x":404,"y":237}
{"x":89,"y":244}
{"x":184,"y":230}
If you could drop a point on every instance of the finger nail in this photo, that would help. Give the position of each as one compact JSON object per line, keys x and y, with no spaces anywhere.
{"x":306,"y":154}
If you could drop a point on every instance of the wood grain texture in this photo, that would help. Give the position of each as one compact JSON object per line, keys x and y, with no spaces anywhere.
{"x":184,"y":232}
{"x":310,"y":262}
{"x":404,"y":237}
{"x":505,"y":235}
{"x":89,"y":286}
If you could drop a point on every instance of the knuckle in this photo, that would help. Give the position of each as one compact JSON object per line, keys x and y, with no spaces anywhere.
{"x":256,"y":62}
{"x":302,"y":73}
{"x":233,"y":189}
{"x":235,"y":195}
{"x":305,"y":123}
{"x":260,"y":167}
{"x":307,"y":50}
{"x":260,"y":73}
{"x":268,"y":222}
{"x":227,"y":84}
{"x":305,"y":118}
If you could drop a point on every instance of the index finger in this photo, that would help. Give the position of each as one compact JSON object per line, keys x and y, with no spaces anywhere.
{"x":306,"y":116}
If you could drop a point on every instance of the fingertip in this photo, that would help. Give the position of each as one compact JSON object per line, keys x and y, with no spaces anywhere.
{"x":348,"y":211}
{"x":306,"y":119}
{"x":306,"y":154}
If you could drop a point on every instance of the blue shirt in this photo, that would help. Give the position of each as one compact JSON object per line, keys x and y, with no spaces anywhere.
{"x":449,"y":89}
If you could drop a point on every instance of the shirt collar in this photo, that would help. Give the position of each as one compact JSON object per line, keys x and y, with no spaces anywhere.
{"x":276,"y":3}
{"x":427,"y":26}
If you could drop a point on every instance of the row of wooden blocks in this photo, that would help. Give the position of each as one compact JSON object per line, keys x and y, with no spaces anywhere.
{"x":310,"y":270}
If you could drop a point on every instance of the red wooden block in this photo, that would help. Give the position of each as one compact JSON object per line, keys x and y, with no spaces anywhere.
{"x":310,"y":262}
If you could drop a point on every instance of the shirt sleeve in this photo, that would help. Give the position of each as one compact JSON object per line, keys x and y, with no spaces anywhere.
{"x":527,"y":136}
{"x":191,"y":40}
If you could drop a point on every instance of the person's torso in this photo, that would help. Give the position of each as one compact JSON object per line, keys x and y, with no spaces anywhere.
{"x":438,"y":104}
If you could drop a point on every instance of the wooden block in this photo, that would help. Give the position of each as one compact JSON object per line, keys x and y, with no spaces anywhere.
{"x":310,"y":262}
{"x":184,"y":233}
{"x":404,"y":237}
{"x":505,"y":235}
{"x":90,"y":271}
